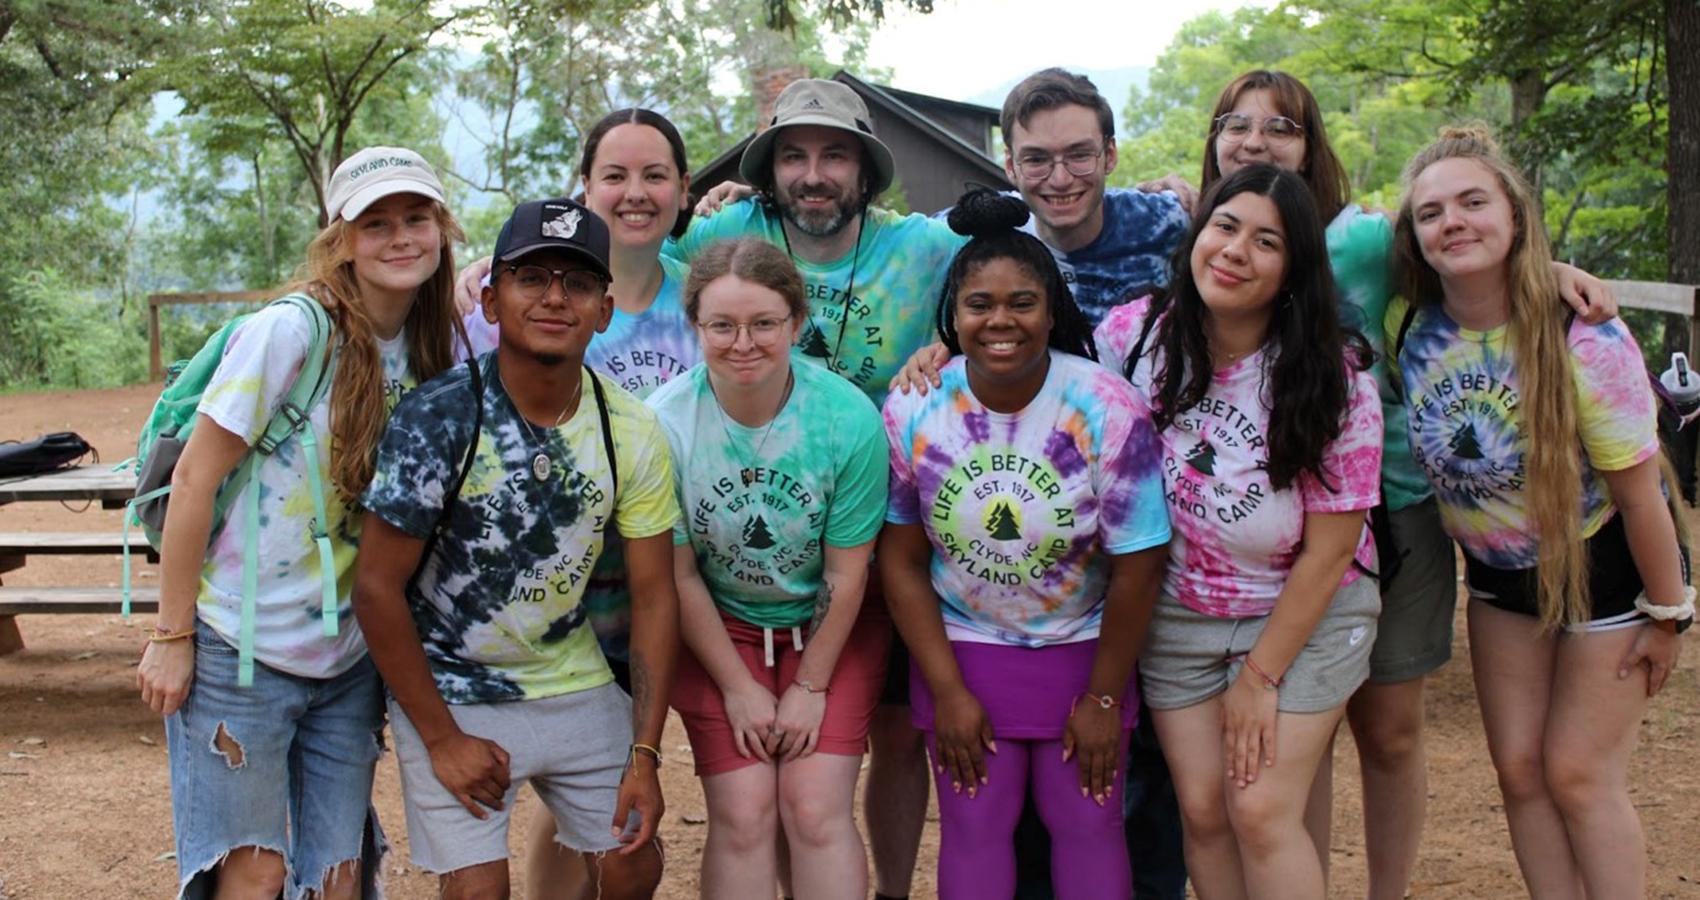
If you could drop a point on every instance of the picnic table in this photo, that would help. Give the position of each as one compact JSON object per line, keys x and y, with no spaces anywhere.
{"x":89,"y":484}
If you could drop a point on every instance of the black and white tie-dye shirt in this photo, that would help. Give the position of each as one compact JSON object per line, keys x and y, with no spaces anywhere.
{"x":499,"y":603}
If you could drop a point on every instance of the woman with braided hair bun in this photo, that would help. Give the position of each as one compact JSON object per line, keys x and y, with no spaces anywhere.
{"x":1026,"y":522}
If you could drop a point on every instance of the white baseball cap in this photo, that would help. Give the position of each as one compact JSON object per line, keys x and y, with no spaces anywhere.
{"x":375,"y":173}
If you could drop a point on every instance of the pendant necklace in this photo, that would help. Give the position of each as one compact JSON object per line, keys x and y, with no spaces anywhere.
{"x":747,"y":473}
{"x":540,"y":464}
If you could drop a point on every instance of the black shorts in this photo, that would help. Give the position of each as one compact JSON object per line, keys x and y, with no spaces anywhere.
{"x":1613,"y":580}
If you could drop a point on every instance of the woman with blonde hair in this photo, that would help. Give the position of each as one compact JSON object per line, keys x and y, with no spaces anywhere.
{"x":271,"y":782}
{"x":1538,"y":434}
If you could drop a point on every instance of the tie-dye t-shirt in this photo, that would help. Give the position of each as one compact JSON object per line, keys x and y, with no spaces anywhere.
{"x":759,"y":503}
{"x":1236,"y":537}
{"x":1360,"y":250}
{"x":1022,"y":509}
{"x":251,"y":383}
{"x":1129,"y":257}
{"x":498,"y":604}
{"x":899,"y":271}
{"x":640,"y":353}
{"x":1466,"y":428}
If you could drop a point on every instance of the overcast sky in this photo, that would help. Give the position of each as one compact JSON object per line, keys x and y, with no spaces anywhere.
{"x":994,"y":41}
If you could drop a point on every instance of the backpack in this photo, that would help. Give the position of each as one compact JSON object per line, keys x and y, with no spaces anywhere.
{"x":167,"y":432}
{"x":47,"y":453}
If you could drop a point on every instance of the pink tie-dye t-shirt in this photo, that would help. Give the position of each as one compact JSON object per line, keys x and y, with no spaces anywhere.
{"x":1466,"y":427}
{"x":1236,"y":537}
{"x":1022,"y":509}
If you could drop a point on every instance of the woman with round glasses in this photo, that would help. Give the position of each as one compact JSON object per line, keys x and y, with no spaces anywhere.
{"x":781,"y":472}
{"x":1271,"y":117}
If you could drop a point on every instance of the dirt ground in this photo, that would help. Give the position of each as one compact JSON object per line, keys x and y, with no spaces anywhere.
{"x":85,"y":806}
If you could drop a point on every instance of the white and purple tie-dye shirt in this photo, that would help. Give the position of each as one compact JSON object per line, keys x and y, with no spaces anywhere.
{"x":1236,"y":537}
{"x":1023,"y":509}
{"x":252,"y":381}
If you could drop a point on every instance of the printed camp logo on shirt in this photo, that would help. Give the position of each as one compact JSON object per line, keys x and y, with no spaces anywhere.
{"x":977,"y":515}
{"x":762,"y":499}
{"x":1197,"y":483}
{"x":1464,"y":434}
{"x":850,"y":350}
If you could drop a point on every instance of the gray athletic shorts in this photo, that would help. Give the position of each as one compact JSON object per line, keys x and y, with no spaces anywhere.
{"x":1415,"y":633}
{"x":1191,"y":657}
{"x":573,"y":748}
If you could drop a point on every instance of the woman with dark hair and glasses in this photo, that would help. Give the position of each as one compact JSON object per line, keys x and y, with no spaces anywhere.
{"x":781,"y":466}
{"x":1271,"y":453}
{"x":1021,"y":556}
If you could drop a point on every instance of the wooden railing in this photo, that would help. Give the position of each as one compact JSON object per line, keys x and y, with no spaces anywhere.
{"x":1673,"y":299}
{"x":156,"y":367}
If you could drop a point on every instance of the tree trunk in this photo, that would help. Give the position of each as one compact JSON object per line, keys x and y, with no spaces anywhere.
{"x":1682,"y":160}
{"x":1528,"y":92}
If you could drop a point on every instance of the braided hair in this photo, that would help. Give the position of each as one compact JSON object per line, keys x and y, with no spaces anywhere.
{"x":991,"y":221}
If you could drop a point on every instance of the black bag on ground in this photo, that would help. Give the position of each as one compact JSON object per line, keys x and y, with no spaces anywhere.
{"x":47,"y":453}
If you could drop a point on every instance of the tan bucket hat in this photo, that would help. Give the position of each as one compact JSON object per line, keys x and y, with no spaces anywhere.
{"x":817,"y":101}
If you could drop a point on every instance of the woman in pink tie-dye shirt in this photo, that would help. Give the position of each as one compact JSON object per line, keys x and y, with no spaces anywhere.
{"x":1271,"y":435}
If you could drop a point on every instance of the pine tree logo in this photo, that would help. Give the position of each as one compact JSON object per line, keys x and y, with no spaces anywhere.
{"x":1002,"y":523}
{"x":814,"y":343}
{"x":1202,"y":458}
{"x":756,"y":535}
{"x":1464,"y":443}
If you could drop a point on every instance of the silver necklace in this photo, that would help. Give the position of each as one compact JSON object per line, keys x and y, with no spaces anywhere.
{"x":540,"y":464}
{"x":747,"y":472}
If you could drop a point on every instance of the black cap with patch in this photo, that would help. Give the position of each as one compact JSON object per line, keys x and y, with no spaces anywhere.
{"x":557,"y":224}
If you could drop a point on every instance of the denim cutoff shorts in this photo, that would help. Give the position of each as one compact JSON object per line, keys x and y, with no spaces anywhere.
{"x":291,"y":773}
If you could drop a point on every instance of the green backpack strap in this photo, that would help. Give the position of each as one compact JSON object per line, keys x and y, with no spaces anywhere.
{"x":291,"y":419}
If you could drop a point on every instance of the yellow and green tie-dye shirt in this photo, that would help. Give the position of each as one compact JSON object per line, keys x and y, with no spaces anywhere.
{"x":1465,"y":425}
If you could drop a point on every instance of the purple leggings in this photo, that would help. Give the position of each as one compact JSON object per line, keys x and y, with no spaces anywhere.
{"x":977,"y":837}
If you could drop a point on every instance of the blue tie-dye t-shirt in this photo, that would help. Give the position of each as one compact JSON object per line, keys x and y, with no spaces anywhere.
{"x":898,"y":269}
{"x":640,"y":352}
{"x":499,"y":603}
{"x":1023,"y":509}
{"x":1129,"y":257}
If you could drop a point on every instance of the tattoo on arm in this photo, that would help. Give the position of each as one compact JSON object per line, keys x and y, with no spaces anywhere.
{"x":640,"y":692}
{"x":823,"y":601}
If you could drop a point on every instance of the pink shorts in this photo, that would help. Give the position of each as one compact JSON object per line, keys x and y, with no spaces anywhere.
{"x":852,"y":694}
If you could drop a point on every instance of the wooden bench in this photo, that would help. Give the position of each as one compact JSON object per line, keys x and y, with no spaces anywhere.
{"x":72,"y":543}
{"x":25,"y":600}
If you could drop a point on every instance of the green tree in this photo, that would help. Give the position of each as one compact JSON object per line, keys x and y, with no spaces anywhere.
{"x":298,"y":70}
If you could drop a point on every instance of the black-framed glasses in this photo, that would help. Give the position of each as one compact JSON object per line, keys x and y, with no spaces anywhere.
{"x":1236,"y":127}
{"x":577,"y":284}
{"x":1036,"y":165}
{"x":765,"y":331}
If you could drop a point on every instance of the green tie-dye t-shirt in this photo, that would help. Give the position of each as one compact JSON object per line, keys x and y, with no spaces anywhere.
{"x":761,"y":504}
{"x":499,"y":604}
{"x":898,"y":271}
{"x":1360,"y":251}
{"x":260,"y":364}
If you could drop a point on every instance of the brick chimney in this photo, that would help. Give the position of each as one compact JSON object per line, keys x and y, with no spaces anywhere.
{"x":768,"y":84}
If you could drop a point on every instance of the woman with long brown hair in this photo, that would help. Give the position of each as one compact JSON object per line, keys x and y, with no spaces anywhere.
{"x":1538,"y":433}
{"x":271,"y":780}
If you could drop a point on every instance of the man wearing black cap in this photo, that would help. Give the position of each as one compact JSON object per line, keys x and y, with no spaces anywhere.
{"x":495,"y":674}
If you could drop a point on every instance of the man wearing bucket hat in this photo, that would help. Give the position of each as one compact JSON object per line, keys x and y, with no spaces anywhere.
{"x":471,"y":579}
